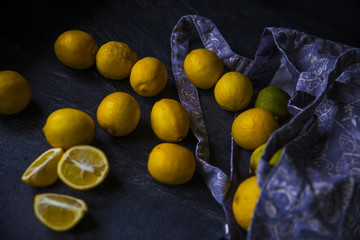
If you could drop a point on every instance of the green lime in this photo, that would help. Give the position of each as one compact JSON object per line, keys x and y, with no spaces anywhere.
{"x":275,"y":100}
{"x":256,"y":155}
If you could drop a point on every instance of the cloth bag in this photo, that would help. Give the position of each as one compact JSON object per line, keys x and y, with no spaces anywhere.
{"x":314,"y":190}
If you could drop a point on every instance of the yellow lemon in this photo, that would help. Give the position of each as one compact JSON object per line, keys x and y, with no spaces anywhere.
{"x":203,"y":68}
{"x":253,"y":127}
{"x":15,"y":92}
{"x":275,"y":100}
{"x":256,"y":155}
{"x":76,"y":49}
{"x":114,"y":60}
{"x":57,"y":211}
{"x":169,"y":120}
{"x":67,"y":127}
{"x":118,"y":114}
{"x":42,"y":171}
{"x":244,"y":202}
{"x":233,"y":91}
{"x":171,"y":163}
{"x":148,"y":77}
{"x":83,"y":167}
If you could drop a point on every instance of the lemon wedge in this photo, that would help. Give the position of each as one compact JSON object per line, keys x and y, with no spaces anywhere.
{"x":42,"y":171}
{"x":57,"y":211}
{"x":83,"y":167}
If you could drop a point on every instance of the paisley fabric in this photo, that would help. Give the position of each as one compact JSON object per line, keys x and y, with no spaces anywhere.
{"x":314,"y":190}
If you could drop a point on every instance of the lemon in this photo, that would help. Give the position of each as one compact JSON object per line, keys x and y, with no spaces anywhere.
{"x":15,"y":92}
{"x":76,"y":49}
{"x":83,"y":167}
{"x":256,"y":155}
{"x":253,"y":127}
{"x":67,"y":127}
{"x":42,"y":171}
{"x":57,"y":211}
{"x":118,"y":114}
{"x":233,"y":91}
{"x":275,"y":100}
{"x":203,"y":68}
{"x":169,"y":120}
{"x":148,"y":77}
{"x":114,"y":60}
{"x":171,"y":163}
{"x":244,"y":202}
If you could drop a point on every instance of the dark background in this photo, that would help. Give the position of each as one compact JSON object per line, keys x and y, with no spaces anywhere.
{"x":129,"y":204}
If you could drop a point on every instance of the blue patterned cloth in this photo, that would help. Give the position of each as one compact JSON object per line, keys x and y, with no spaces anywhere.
{"x":314,"y":190}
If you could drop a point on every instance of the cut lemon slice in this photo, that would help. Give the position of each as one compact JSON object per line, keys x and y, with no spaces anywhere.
{"x":42,"y":171}
{"x":83,"y":167}
{"x":57,"y":211}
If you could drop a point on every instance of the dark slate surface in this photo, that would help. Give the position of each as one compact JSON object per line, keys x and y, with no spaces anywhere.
{"x":129,"y":204}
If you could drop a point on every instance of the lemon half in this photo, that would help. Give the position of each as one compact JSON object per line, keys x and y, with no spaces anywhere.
{"x":83,"y":167}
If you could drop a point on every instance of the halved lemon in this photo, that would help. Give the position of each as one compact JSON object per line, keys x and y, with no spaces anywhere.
{"x":42,"y":171}
{"x":83,"y":167}
{"x":57,"y":211}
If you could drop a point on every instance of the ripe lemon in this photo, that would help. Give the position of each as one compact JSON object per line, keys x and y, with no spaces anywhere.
{"x":203,"y":68}
{"x":118,"y":114}
{"x":148,"y":77}
{"x":253,"y":127}
{"x":15,"y":92}
{"x":171,"y":163}
{"x":76,"y":49}
{"x":275,"y":100}
{"x":169,"y":120}
{"x":67,"y":127}
{"x":233,"y":91}
{"x":256,"y":155}
{"x":42,"y":171}
{"x":83,"y":167}
{"x":245,"y":199}
{"x":57,"y":211}
{"x":114,"y":60}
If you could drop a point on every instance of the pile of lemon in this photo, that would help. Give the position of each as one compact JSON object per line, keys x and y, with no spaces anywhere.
{"x":251,"y":129}
{"x":70,"y":131}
